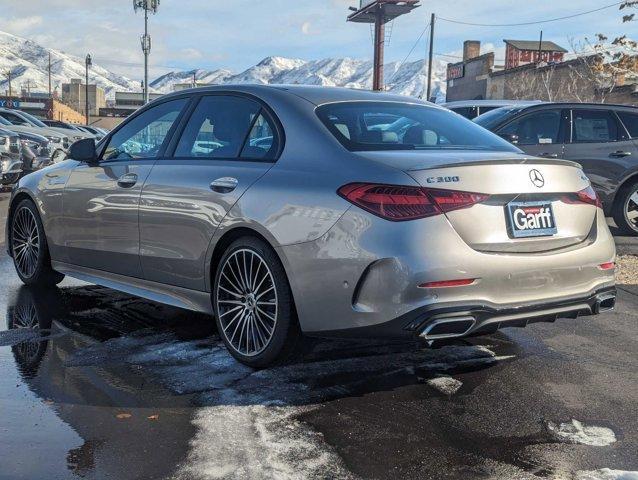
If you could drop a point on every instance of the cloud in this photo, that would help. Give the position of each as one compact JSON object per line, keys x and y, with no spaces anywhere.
{"x":190,"y":54}
{"x":21,"y":25}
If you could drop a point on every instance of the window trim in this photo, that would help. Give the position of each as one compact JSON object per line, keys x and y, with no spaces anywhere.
{"x":160,"y":153}
{"x":619,"y":126}
{"x":265,"y":109}
{"x":561,"y":138}
{"x":628,"y":137}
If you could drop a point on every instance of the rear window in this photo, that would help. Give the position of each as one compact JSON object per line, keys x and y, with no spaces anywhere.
{"x":365,"y":126}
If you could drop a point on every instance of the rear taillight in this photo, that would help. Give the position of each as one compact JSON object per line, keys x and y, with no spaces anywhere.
{"x":400,"y":203}
{"x":587,"y":196}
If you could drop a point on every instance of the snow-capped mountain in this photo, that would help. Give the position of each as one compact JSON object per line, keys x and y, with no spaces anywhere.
{"x":28,"y":62}
{"x":405,"y":79}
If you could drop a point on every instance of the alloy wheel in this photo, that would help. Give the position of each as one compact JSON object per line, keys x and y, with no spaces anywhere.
{"x":25,"y":242}
{"x":246,"y":297}
{"x":631,"y":210}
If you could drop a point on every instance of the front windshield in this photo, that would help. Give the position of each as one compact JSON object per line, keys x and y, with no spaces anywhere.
{"x":365,"y":126}
{"x":32,"y":119}
{"x":495,"y":117}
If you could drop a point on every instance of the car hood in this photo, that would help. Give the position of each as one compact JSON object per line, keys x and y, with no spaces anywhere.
{"x":47,"y":132}
{"x":72,"y":134}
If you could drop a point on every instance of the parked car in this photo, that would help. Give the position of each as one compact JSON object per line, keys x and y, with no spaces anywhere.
{"x":330,"y":228}
{"x":473,"y":108}
{"x":15,"y":121}
{"x":603,"y":139}
{"x":10,"y":157}
{"x":96,"y":132}
{"x":36,"y":152}
{"x":75,"y":132}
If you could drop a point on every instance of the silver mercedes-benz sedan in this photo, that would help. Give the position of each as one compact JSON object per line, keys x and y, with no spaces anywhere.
{"x":289,"y":210}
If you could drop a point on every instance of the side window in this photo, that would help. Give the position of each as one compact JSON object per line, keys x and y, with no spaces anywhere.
{"x":144,"y":135}
{"x":261,"y":142}
{"x":630,"y":121}
{"x":594,"y":126}
{"x":219,"y":127}
{"x":536,"y":128}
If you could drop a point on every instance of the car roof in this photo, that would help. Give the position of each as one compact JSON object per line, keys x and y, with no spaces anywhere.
{"x":317,"y":95}
{"x":490,"y":103}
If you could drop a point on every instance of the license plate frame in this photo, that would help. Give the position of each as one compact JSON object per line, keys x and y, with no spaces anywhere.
{"x":538,"y":213}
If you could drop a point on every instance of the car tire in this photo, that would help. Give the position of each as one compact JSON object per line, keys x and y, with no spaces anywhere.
{"x":29,"y":247}
{"x":254,"y":308}
{"x":626,"y":201}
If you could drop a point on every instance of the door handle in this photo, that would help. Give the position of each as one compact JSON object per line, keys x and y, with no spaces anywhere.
{"x":548,"y":155}
{"x":619,"y":154}
{"x":224,"y":185}
{"x":127,"y":180}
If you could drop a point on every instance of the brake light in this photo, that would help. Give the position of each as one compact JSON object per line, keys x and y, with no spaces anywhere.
{"x":607,"y":266}
{"x":587,"y":196}
{"x":400,"y":203}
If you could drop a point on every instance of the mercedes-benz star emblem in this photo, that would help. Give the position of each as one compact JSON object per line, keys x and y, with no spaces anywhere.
{"x":537,"y":178}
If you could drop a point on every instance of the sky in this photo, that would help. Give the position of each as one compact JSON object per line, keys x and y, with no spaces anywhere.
{"x":236,"y":34}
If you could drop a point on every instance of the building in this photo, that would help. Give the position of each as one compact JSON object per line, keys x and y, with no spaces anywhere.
{"x":132,"y":100}
{"x":42,"y":106}
{"x":524,"y":52}
{"x":467,"y":79}
{"x":582,"y":79}
{"x":178,"y":87}
{"x":125,"y":104}
{"x":74,"y":94}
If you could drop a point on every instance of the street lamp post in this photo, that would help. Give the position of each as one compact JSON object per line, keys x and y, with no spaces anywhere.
{"x":147,"y":6}
{"x":87,"y":63}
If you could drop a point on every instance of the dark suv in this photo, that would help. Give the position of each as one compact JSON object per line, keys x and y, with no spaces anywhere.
{"x":602,"y":138}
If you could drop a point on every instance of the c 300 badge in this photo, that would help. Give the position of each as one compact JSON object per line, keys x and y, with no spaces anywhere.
{"x":450,"y":179}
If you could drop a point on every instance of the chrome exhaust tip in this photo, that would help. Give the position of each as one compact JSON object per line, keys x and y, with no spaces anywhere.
{"x":605,"y":302}
{"x":449,"y":327}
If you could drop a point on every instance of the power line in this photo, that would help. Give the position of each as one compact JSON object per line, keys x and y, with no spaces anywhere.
{"x":460,"y":22}
{"x":410,"y":52}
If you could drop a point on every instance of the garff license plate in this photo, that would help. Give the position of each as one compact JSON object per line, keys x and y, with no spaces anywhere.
{"x":531,"y":219}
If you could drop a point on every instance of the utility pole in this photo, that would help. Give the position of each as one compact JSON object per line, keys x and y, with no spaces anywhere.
{"x":50,"y":75}
{"x":147,"y":6}
{"x":8,"y":75}
{"x":379,"y":44}
{"x":88,"y":62}
{"x":540,"y":48}
{"x":428,"y":91}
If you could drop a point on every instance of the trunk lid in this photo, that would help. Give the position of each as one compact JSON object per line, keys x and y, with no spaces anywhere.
{"x":532,"y":206}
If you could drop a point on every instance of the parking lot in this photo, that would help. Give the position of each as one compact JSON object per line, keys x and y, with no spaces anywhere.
{"x":98,"y":384}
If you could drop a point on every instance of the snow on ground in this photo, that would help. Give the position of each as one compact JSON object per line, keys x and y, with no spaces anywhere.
{"x":247,"y":426}
{"x":446,"y":385}
{"x":577,"y":432}
{"x":606,"y":474}
{"x":258,"y":441}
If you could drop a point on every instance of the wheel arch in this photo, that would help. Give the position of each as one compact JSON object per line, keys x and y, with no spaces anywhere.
{"x":631,"y":178}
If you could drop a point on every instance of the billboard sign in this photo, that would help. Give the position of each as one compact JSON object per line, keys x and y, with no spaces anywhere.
{"x":455,"y":71}
{"x":9,"y":103}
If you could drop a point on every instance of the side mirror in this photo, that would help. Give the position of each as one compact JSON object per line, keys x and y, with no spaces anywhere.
{"x":83,"y":151}
{"x":510,"y":137}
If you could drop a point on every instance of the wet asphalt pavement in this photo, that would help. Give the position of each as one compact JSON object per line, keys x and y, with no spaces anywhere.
{"x":97,"y":384}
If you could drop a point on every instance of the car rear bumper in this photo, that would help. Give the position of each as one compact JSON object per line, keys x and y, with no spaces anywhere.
{"x":367,"y":273}
{"x":457,"y":320}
